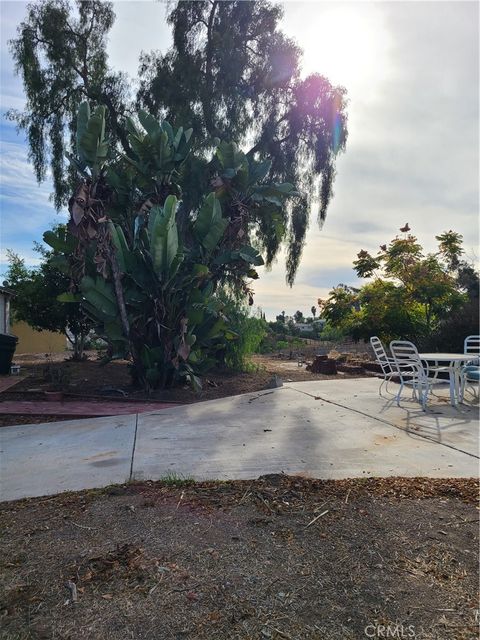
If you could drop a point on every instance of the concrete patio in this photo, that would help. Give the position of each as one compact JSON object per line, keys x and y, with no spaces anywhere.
{"x":328,"y":429}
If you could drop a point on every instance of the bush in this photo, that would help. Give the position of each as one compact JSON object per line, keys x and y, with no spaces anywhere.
{"x":330,"y":333}
{"x":249,"y":332}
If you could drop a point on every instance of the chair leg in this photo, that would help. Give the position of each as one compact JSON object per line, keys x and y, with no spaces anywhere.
{"x":399,"y":393}
{"x":387,"y":380}
{"x":425,"y":399}
{"x":453,"y":400}
{"x":428,"y":389}
{"x":380,"y":387}
{"x":414,"y":390}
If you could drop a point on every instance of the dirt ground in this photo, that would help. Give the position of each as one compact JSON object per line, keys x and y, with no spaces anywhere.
{"x":278,"y":558}
{"x":92,"y":379}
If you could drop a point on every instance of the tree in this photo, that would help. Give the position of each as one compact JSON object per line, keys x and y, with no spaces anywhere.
{"x":298,"y":316}
{"x":314,"y":311}
{"x":340,"y":304}
{"x":231,"y":75}
{"x":410,"y":294}
{"x":35,"y":301}
{"x":60,"y":52}
{"x":147,"y":268}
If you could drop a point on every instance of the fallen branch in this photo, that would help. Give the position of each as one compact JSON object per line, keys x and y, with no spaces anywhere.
{"x":185,"y":589}
{"x":81,"y":526}
{"x":181,"y":498}
{"x":316,"y":518}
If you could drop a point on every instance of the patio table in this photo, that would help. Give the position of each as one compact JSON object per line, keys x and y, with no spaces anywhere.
{"x":454,"y":361}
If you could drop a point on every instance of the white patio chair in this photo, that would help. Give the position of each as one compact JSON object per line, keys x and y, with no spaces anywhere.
{"x":471,"y":345}
{"x":471,"y":371}
{"x":412,"y":371}
{"x":387,"y":364}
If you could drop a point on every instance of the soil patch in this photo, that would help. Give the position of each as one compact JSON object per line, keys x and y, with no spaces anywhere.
{"x":91,"y":379}
{"x":272,"y":559}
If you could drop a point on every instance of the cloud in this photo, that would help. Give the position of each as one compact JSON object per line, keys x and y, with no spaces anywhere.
{"x":26,"y":210}
{"x":139,"y":26}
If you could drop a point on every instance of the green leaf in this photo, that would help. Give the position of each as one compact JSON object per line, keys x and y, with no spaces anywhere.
{"x":167,"y":127}
{"x":178,"y":137}
{"x":132,"y":128}
{"x":61,"y":263}
{"x":69,"y":297}
{"x":230,"y":157}
{"x":210,"y":226}
{"x":114,"y":332}
{"x":65,"y":244}
{"x":100,"y":295}
{"x":251,"y":255}
{"x":149,"y":123}
{"x":93,"y":148}
{"x":164,"y":237}
{"x":284,"y":187}
{"x":83,"y":116}
{"x":259,"y":170}
{"x":200,"y":270}
{"x":190,"y":339}
{"x":274,"y":193}
{"x":122,"y":251}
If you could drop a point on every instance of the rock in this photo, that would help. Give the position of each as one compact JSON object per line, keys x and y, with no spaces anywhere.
{"x":274,"y":382}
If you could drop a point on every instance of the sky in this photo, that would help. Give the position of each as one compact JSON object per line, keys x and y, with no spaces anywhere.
{"x":411,"y":70}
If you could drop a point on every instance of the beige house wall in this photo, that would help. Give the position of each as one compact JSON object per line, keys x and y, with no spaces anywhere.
{"x":31,"y":341}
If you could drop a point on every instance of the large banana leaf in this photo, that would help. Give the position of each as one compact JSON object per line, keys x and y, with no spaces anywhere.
{"x":230,"y":158}
{"x":60,"y":242}
{"x":122,"y":251}
{"x":247,"y":253}
{"x":164,"y":238}
{"x":149,"y":123}
{"x":210,"y":226}
{"x":274,"y":193}
{"x":83,"y":116}
{"x":100,"y":295}
{"x":92,"y":144}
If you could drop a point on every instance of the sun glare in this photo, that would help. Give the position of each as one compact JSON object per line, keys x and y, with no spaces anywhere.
{"x":349,"y":44}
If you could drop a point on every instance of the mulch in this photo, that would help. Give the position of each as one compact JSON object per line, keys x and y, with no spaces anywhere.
{"x":276,"y":558}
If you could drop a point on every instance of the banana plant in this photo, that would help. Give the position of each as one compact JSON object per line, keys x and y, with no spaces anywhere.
{"x":145,"y":267}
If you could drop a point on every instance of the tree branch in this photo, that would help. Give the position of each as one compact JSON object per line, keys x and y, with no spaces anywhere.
{"x":206,"y":101}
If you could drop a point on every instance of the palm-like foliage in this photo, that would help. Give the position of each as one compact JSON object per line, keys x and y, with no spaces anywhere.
{"x":145,"y":267}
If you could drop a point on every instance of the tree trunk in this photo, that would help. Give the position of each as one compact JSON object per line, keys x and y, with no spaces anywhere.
{"x":117,"y":283}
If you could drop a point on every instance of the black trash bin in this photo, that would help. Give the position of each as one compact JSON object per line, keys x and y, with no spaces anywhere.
{"x":8,"y":344}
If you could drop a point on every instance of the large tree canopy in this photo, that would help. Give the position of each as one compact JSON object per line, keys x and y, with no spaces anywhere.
{"x":411,"y":294}
{"x":231,"y":74}
{"x":60,"y":52}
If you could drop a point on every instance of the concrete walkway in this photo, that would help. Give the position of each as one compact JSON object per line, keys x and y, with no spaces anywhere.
{"x":326,"y":429}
